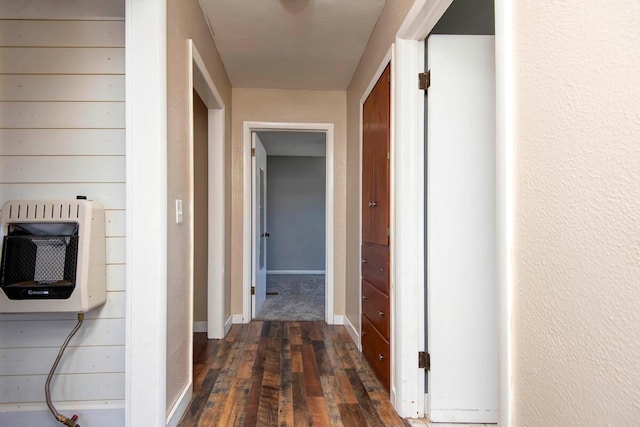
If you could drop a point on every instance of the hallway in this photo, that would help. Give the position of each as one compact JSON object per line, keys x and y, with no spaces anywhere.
{"x":286,"y":374}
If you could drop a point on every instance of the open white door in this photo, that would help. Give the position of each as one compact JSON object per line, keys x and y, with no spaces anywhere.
{"x":461,"y":222}
{"x":259,"y":225}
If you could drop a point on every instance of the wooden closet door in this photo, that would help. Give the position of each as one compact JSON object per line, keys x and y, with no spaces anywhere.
{"x":375,"y":161}
{"x":376,"y":134}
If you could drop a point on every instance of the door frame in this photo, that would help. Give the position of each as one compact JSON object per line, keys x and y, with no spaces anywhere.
{"x":328,"y":128}
{"x":200,"y":80}
{"x":409,"y":60}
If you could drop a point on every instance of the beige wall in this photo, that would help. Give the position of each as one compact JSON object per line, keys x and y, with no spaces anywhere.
{"x":184,"y":21}
{"x":275,"y":105}
{"x":577,"y":244}
{"x":379,"y":43}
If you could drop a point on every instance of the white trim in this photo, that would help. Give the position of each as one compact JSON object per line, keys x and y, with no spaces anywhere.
{"x":408,"y":258}
{"x":295,"y":272}
{"x":459,"y":418}
{"x":353,"y":333}
{"x":202,"y":82}
{"x":146,"y":214}
{"x":505,"y":137}
{"x":338,"y":320}
{"x":422,"y":17}
{"x":89,"y":413}
{"x":238,"y":319}
{"x":180,"y":406}
{"x":248,"y":128}
{"x":199,"y":326}
{"x":227,"y":325}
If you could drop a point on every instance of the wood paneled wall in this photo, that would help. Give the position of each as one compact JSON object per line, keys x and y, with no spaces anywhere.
{"x":62,"y":133}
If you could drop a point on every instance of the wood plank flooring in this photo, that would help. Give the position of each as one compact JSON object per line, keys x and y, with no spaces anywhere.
{"x":285,"y":374}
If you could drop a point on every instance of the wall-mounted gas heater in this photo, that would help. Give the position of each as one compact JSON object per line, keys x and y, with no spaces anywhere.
{"x":53,"y":256}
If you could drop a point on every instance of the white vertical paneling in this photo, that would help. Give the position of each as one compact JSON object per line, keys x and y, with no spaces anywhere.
{"x":62,"y":121}
{"x":47,"y":333}
{"x":115,"y":250}
{"x":76,"y":360}
{"x":82,"y":87}
{"x":62,"y":115}
{"x":116,"y":277}
{"x":112,"y":196}
{"x":62,"y":142}
{"x":28,"y":388}
{"x":25,"y":169}
{"x":62,"y":33}
{"x":62,"y":9}
{"x":115,"y":223}
{"x":36,"y":60}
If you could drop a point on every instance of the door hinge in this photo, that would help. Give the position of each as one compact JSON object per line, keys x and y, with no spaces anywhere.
{"x":388,"y":232}
{"x":424,"y":360}
{"x":388,"y":156}
{"x":253,"y":290}
{"x":253,"y":152}
{"x":424,"y":80}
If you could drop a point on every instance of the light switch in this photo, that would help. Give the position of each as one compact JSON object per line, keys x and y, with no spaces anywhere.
{"x":178,"y":211}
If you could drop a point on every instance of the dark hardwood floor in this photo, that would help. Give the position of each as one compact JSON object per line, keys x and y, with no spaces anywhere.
{"x":285,"y":374}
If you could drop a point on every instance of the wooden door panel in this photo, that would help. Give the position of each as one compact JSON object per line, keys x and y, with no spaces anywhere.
{"x":376,"y":132}
{"x":376,"y":351}
{"x":375,"y":306}
{"x":375,"y":266}
{"x":375,"y":162}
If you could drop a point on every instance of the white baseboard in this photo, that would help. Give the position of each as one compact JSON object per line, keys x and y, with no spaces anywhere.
{"x":89,"y":414}
{"x":355,"y":336}
{"x":180,"y":406}
{"x":238,"y":319}
{"x":462,"y":416}
{"x":338,"y":320}
{"x":200,"y":326}
{"x":227,"y":325}
{"x":295,"y":271}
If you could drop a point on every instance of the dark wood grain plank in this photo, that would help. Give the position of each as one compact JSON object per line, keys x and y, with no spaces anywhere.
{"x":351,"y":415}
{"x":312,"y":384}
{"x":301,"y":415}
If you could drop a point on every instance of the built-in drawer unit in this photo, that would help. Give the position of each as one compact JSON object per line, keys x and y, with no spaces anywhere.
{"x":375,"y":265}
{"x":376,"y":350}
{"x":375,"y":305}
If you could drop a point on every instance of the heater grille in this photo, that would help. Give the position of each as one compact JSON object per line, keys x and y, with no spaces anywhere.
{"x":43,"y":211}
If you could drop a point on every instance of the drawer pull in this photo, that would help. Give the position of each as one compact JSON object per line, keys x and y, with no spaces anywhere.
{"x":380,"y":357}
{"x":380,"y":313}
{"x":364,"y":333}
{"x":381,"y":269}
{"x":364,"y":261}
{"x":364,"y":297}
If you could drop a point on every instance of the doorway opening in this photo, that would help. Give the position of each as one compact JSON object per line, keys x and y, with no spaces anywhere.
{"x":289,"y":225}
{"x":207,"y":196}
{"x":304,"y":220}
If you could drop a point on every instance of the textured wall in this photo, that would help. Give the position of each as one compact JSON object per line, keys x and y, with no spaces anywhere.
{"x":382,"y":37}
{"x":184,"y":21}
{"x":296,"y":213}
{"x":577,"y":259}
{"x":277,"y":105}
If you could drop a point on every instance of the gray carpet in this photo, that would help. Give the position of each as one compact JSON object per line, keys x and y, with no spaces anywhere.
{"x":300,"y":297}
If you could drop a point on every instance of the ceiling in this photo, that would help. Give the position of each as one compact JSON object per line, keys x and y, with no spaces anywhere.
{"x":291,"y":44}
{"x":289,"y":143}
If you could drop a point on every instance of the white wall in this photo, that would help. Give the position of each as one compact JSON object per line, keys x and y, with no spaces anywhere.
{"x":62,"y":122}
{"x":576,"y":322}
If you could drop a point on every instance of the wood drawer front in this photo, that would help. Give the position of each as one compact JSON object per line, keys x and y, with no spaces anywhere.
{"x":374,"y":346}
{"x":375,"y":305}
{"x":375,"y":266}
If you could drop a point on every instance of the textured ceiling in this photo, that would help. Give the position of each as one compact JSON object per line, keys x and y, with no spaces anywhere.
{"x":287,"y":143}
{"x":291,"y":44}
